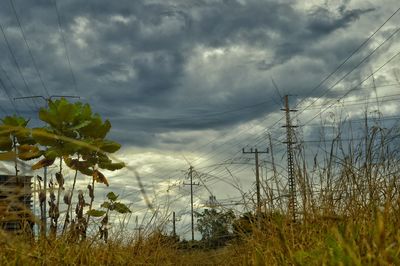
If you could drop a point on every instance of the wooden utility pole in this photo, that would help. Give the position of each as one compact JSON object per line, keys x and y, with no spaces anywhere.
{"x":191,"y":197}
{"x":173,"y":224}
{"x":256,"y":152}
{"x":138,"y":228}
{"x":291,"y":178}
{"x":43,"y":227}
{"x":174,"y":220}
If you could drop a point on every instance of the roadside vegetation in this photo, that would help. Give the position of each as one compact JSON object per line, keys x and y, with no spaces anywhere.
{"x":348,"y":203}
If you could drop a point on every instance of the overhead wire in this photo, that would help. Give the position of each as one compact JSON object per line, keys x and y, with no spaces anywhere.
{"x":351,"y":71}
{"x":355,"y":51}
{"x":29,"y":48}
{"x":353,"y":88}
{"x":28,"y":90}
{"x":3,"y":86}
{"x":65,"y":45}
{"x":343,"y":63}
{"x":346,"y":60}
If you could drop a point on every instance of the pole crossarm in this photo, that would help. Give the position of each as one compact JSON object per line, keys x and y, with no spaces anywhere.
{"x":47,"y":98}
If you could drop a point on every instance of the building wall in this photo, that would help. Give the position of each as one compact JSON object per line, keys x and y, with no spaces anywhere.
{"x":16,"y":203}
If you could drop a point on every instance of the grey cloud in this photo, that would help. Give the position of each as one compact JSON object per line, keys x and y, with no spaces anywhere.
{"x":131,"y":59}
{"x":324,"y":21}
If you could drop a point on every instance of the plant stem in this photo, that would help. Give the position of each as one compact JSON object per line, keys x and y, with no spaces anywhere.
{"x":15,"y":151}
{"x":91,"y":202}
{"x":70,"y":202}
{"x":59,"y":191}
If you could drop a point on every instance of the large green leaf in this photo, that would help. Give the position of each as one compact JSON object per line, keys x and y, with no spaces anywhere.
{"x":96,"y":129}
{"x":50,"y":118}
{"x":7,"y":156}
{"x":109,"y":146}
{"x":103,"y":158}
{"x":112,"y":166}
{"x":111,"y":196}
{"x":121,"y":208}
{"x":6,"y":143}
{"x":89,"y":156}
{"x":106,"y":205}
{"x":65,"y":111}
{"x":80,"y":125}
{"x":6,"y":130}
{"x":28,"y":152}
{"x":54,"y":152}
{"x":42,"y":163}
{"x":95,"y":213}
{"x":16,"y":121}
{"x":23,"y":136}
{"x":85,"y":112}
{"x":44,"y":137}
{"x":86,"y":171}
{"x":70,"y":148}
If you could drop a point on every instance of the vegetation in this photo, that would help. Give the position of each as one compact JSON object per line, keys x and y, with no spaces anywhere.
{"x":73,"y":136}
{"x":215,"y":226}
{"x":348,"y":204}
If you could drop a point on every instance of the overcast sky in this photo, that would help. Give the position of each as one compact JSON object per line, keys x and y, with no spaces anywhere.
{"x":190,"y":81}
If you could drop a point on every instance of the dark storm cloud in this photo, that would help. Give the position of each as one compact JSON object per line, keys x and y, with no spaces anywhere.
{"x":149,"y":65}
{"x":323,"y":21}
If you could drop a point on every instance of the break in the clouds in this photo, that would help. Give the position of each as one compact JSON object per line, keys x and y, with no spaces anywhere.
{"x":178,"y":74}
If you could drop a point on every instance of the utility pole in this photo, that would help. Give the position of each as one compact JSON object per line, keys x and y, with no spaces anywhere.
{"x":43,"y":219}
{"x":174,"y":220}
{"x":138,"y":228}
{"x":291,"y":178}
{"x":256,"y":152}
{"x":191,"y":196}
{"x":173,"y":224}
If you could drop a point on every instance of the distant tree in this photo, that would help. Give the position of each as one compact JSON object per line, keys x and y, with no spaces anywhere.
{"x":215,"y":226}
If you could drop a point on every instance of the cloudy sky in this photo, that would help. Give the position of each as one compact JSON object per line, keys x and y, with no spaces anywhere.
{"x":191,"y":81}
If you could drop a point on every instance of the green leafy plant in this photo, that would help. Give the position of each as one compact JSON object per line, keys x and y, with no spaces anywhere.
{"x":74,"y":136}
{"x":109,"y":205}
{"x":16,"y":141}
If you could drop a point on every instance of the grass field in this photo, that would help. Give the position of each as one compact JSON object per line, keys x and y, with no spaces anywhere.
{"x":348,"y":213}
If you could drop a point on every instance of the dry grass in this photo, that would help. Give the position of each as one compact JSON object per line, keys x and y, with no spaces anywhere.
{"x":349,"y":210}
{"x":374,"y":242}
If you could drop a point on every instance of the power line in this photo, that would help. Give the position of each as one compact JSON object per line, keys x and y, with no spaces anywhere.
{"x":343,"y":77}
{"x":355,"y":87}
{"x":29,"y":49}
{"x":16,"y":63}
{"x":351,"y":71}
{"x":361,"y":102}
{"x":65,"y":45}
{"x":3,"y":86}
{"x":352,"y":54}
{"x":346,"y":60}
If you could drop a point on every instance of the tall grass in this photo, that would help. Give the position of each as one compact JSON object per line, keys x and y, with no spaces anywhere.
{"x":348,"y":197}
